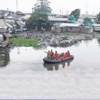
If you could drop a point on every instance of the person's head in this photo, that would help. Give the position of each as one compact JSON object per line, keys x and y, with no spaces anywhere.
{"x":55,"y":51}
{"x":51,"y":50}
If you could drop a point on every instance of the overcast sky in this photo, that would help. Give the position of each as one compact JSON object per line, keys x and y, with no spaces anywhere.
{"x":58,"y":6}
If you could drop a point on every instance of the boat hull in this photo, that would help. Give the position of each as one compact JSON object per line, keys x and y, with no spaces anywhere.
{"x":46,"y":60}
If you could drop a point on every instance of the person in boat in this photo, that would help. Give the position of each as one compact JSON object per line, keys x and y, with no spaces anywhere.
{"x":63,"y":56}
{"x":56,"y":55}
{"x":52,"y":54}
{"x":48,"y":54}
{"x":67,"y":54}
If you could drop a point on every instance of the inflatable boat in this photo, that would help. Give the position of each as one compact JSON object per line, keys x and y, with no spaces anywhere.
{"x":47,"y":60}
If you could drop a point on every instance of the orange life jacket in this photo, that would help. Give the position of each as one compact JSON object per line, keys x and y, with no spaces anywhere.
{"x":63,"y":56}
{"x":56,"y":56}
{"x":68,"y":53}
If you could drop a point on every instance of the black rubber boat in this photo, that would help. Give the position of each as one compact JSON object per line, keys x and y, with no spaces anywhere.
{"x":46,"y":60}
{"x":46,"y":65}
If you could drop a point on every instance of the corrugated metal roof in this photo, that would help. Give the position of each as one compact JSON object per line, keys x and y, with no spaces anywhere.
{"x":2,"y":24}
{"x":20,"y":23}
{"x":98,"y":25}
{"x":57,"y":19}
{"x":9,"y":25}
{"x":70,"y":24}
{"x":3,"y":30}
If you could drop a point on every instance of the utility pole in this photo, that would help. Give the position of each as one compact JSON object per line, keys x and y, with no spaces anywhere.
{"x":86,"y":9}
{"x":60,"y":12}
{"x":16,"y":5}
{"x":67,"y":13}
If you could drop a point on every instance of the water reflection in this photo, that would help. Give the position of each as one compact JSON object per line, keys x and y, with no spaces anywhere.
{"x":55,"y":67}
{"x":97,"y":35}
{"x":40,"y":47}
{"x":4,"y":57}
{"x":99,"y":40}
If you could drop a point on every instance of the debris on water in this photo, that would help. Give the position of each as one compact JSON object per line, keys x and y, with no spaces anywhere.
{"x":57,"y":40}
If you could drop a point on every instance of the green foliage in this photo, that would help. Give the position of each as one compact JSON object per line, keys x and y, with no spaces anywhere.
{"x":71,"y":17}
{"x":42,"y":6}
{"x":98,"y":17}
{"x":28,"y":42}
{"x":88,"y":21}
{"x":76,"y":13}
{"x":37,"y":19}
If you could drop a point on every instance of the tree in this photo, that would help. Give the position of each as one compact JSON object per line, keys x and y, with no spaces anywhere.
{"x":88,"y":21}
{"x":76,"y":13}
{"x":42,"y":6}
{"x":98,"y":17}
{"x":37,"y":19}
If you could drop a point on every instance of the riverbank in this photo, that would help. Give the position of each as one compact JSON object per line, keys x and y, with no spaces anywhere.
{"x":24,"y":42}
{"x":50,"y":39}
